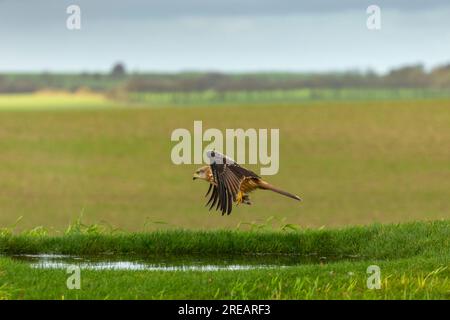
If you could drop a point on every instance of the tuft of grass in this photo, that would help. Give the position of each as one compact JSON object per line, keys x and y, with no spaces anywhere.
{"x":9,"y":230}
{"x":80,"y":228}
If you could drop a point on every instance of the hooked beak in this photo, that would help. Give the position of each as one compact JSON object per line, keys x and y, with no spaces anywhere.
{"x":195,"y":176}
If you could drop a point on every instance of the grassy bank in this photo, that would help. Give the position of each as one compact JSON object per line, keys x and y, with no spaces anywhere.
{"x":376,"y":241}
{"x":414,"y":260}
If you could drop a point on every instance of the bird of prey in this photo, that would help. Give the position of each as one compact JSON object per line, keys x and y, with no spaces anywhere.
{"x":230,"y":183}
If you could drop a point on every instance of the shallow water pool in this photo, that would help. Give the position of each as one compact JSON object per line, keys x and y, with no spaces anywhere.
{"x":168,"y":262}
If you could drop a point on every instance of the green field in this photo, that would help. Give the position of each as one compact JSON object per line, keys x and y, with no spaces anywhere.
{"x":211,"y":97}
{"x":352,"y":163}
{"x":414,"y":261}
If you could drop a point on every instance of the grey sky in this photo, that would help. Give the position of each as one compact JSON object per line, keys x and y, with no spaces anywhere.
{"x":245,"y":35}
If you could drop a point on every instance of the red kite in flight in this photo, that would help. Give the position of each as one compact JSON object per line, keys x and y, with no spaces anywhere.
{"x":230,"y":183}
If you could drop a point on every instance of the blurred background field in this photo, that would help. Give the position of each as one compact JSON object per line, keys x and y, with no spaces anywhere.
{"x":53,"y":100}
{"x":354,"y":161}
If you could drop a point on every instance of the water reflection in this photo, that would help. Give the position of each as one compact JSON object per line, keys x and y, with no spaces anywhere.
{"x":127,"y":265}
{"x":169,"y":262}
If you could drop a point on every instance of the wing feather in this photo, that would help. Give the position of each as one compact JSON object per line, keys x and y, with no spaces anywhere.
{"x":228,"y":176}
{"x":209,"y":189}
{"x":213,"y":198}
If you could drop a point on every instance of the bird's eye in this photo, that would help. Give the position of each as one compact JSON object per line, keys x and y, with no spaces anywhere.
{"x":213,"y":154}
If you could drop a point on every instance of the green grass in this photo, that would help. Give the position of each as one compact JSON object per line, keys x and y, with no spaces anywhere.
{"x":403,"y":279}
{"x":414,"y":260}
{"x":376,"y":241}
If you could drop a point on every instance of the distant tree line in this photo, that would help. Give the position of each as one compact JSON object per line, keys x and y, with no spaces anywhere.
{"x":119,"y":79}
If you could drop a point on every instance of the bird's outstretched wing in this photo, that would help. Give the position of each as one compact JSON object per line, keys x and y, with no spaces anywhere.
{"x":228,"y":176}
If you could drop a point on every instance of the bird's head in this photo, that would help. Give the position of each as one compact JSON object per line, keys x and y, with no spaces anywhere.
{"x":203,"y":173}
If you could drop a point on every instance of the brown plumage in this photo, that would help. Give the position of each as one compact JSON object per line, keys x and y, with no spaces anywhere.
{"x":229,"y":182}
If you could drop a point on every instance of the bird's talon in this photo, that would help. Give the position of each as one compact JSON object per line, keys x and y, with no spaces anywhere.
{"x":239,"y":198}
